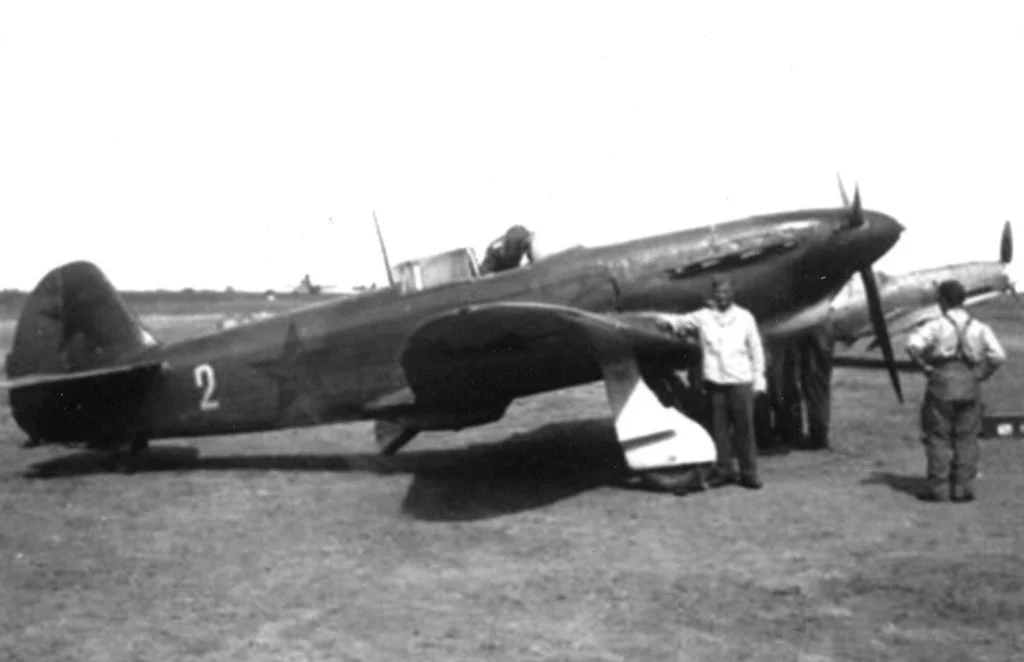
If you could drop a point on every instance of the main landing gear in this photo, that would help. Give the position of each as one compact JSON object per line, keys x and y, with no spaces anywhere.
{"x":121,"y":454}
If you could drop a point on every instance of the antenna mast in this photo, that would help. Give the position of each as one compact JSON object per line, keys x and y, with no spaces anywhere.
{"x":383,"y":250}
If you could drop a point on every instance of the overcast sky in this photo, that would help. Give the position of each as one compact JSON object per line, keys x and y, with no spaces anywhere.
{"x":208,"y":144}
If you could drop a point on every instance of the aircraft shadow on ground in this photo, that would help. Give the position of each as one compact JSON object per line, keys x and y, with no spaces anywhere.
{"x":521,"y":472}
{"x":908,"y":484}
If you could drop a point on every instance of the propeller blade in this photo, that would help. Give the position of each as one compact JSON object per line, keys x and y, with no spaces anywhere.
{"x":881,"y":331}
{"x":842,"y":192}
{"x":1006,"y":244}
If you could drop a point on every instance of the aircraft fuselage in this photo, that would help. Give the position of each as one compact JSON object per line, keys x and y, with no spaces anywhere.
{"x":341,"y":360}
{"x":328,"y":362}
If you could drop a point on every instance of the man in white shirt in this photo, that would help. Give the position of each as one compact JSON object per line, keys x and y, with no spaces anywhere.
{"x":956,"y":353}
{"x":733,"y":370}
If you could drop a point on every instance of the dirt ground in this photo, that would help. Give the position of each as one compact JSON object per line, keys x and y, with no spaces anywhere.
{"x":514,"y":541}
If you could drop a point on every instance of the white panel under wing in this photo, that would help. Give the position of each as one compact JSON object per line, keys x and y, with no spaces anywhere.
{"x":652,"y":435}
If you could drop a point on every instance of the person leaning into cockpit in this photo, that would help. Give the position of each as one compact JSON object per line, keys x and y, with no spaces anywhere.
{"x":507,"y":251}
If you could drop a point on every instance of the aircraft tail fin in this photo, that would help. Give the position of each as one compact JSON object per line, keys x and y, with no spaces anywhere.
{"x":74,"y":320}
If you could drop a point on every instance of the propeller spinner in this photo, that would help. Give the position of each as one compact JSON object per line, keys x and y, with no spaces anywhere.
{"x":1006,"y":244}
{"x":1006,"y":257}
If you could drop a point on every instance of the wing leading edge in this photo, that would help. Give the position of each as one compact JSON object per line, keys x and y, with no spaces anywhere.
{"x":509,"y":350}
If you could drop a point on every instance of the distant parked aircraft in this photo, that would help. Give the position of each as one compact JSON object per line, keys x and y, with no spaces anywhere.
{"x":909,"y":300}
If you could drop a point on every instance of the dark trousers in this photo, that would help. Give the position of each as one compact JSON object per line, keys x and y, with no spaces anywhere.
{"x":950,"y":434}
{"x":801,"y":372}
{"x":732,"y":426}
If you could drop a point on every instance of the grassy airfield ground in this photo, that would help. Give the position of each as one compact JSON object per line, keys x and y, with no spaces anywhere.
{"x":512,"y":542}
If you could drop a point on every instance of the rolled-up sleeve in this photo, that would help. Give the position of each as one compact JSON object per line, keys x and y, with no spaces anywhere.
{"x":919,"y":339}
{"x":993,"y":349}
{"x":682,"y":324}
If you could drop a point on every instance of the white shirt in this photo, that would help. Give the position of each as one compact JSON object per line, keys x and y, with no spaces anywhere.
{"x":730,"y":343}
{"x":937,"y":339}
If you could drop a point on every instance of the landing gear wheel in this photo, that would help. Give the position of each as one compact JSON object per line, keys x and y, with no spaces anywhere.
{"x":118,"y":461}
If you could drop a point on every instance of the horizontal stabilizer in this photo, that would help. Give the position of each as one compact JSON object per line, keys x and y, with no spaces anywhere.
{"x":80,"y":405}
{"x":98,"y":374}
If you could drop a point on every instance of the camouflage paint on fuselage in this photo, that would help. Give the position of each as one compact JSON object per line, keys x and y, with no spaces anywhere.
{"x":330,"y":361}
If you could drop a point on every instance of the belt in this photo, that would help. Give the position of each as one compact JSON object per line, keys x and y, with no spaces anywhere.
{"x":943,"y":362}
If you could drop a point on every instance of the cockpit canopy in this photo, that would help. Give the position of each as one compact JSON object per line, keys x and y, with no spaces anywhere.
{"x":452,"y":266}
{"x":426,"y":272}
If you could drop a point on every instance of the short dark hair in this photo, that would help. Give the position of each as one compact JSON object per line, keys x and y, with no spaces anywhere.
{"x":720,"y":279}
{"x":952,"y":292}
{"x":517,"y":233}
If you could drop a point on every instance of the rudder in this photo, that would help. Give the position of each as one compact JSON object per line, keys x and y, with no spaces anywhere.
{"x":75,"y":320}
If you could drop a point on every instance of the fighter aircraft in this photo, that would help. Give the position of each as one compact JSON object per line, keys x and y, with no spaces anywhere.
{"x":909,"y":300}
{"x":454,"y":355}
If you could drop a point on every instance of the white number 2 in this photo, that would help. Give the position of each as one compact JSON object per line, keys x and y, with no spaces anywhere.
{"x":206,"y":380}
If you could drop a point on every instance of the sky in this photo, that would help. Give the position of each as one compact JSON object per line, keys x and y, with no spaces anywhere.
{"x":213,"y":144}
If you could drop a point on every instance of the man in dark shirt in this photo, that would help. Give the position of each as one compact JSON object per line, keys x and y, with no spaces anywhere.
{"x":799,"y":375}
{"x":506,"y":252}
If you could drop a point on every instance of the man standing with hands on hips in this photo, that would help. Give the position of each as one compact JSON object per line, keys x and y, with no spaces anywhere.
{"x":956,"y":353}
{"x":733,"y":369}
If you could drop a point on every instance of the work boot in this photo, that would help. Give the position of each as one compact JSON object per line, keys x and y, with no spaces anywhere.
{"x":720,"y":478}
{"x":751,"y":482}
{"x":813,"y":444}
{"x":963,"y":494}
{"x":933,"y":496}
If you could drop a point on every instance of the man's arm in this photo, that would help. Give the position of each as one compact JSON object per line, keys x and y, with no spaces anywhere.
{"x":756,"y":350}
{"x":994,"y":354}
{"x":679,"y":324}
{"x":493,"y":257}
{"x":917,"y":342}
{"x":532,"y":252}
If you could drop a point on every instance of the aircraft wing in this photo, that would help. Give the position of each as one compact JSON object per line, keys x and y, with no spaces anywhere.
{"x":506,"y":350}
{"x":897,"y":320}
{"x":905,"y":320}
{"x":477,"y":359}
{"x":872,"y":363}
